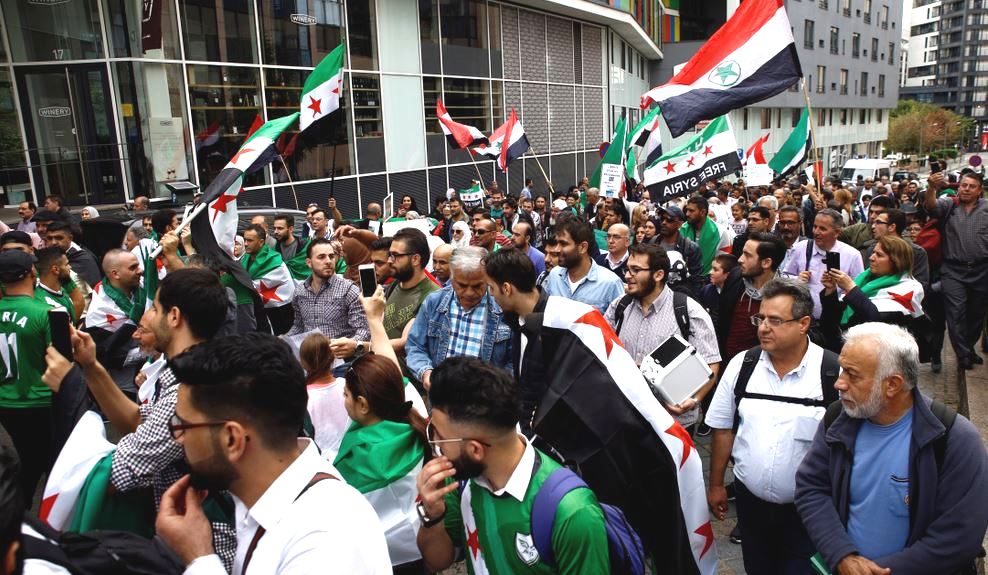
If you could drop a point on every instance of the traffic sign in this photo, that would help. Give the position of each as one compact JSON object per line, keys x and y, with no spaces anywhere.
{"x":974,"y":161}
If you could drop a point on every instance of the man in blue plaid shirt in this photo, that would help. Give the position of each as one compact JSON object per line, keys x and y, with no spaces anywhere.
{"x":459,"y":320}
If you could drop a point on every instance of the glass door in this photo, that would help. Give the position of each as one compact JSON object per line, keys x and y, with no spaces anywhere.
{"x":71,"y":136}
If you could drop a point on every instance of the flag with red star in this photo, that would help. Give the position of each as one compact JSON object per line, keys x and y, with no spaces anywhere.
{"x":270,"y":276}
{"x":599,"y":414}
{"x":322,"y":89}
{"x":905,"y":297}
{"x":709,"y":155}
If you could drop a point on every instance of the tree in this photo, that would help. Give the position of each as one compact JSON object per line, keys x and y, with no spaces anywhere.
{"x":919,"y":127}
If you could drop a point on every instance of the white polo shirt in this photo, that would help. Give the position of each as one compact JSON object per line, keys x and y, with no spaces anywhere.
{"x":330,"y":529}
{"x":774,"y":436}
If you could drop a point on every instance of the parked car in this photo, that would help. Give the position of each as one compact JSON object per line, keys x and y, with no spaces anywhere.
{"x":904,"y":175}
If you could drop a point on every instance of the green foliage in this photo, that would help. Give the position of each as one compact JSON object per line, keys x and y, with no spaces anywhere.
{"x":920,"y":128}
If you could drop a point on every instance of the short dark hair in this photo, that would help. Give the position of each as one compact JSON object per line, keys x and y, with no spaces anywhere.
{"x":881,"y":200}
{"x":56,"y":198}
{"x":700,"y":202}
{"x":416,"y":242}
{"x":791,"y":209}
{"x":550,"y":242}
{"x":510,"y":202}
{"x":161,"y":219}
{"x":60,"y":226}
{"x":578,"y":230}
{"x":762,"y":212}
{"x":976,"y":177}
{"x":802,"y":303}
{"x":320,"y":211}
{"x":472,"y":391}
{"x":380,"y":244}
{"x":251,"y":378}
{"x":513,"y":267}
{"x":727,"y":261}
{"x":257,"y":229}
{"x":769,"y":246}
{"x":31,"y":206}
{"x":205,"y":261}
{"x":317,"y":242}
{"x":289,"y":219}
{"x":47,"y":257}
{"x":658,"y":259}
{"x":897,"y":218}
{"x":199,"y":295}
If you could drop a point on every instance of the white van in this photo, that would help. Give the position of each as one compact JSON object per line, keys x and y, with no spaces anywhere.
{"x":871,"y":168}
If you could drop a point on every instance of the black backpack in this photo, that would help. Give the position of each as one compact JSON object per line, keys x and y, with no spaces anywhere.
{"x":101,"y":552}
{"x":829,"y":372}
{"x":679,"y":303}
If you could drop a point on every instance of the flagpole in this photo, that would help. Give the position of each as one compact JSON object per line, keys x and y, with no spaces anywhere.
{"x":479,"y":177}
{"x":181,"y":226}
{"x":816,"y":153}
{"x":544,"y":175}
{"x":291,"y":182}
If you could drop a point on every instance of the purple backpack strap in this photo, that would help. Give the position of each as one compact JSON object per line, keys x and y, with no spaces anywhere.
{"x":556,"y":486}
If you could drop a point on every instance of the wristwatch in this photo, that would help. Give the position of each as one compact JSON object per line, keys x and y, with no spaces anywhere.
{"x":424,"y":517}
{"x":360,"y":349}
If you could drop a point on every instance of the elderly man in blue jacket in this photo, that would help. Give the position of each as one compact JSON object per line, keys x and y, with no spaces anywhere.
{"x":896,"y":483}
{"x":461,"y":319}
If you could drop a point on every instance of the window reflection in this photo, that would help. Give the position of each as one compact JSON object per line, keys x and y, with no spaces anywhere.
{"x":324,"y":146}
{"x":464,"y":37}
{"x":63,"y":31}
{"x":224,"y":101}
{"x":219,"y":31}
{"x":300,"y":33}
{"x":15,"y":185}
{"x":468,"y":102}
{"x":362,"y":34}
{"x":435,"y":141}
{"x":367,"y":122}
{"x":429,"y":28}
{"x":137,"y":29}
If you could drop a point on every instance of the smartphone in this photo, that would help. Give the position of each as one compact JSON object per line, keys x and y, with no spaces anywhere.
{"x":368,"y":280}
{"x":61,"y":337}
{"x":833,"y":260}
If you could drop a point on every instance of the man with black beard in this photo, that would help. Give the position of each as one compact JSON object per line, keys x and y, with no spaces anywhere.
{"x":240,"y":407}
{"x":189,"y":308}
{"x":409,"y":253}
{"x":473,"y":429}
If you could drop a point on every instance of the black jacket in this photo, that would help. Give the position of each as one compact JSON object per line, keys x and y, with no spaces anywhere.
{"x":601,"y":260}
{"x":83,"y":263}
{"x":533,"y":381}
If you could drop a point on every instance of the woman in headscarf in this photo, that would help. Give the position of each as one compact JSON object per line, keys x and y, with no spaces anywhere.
{"x":885,"y":292}
{"x":461,"y":235}
{"x":89,"y":213}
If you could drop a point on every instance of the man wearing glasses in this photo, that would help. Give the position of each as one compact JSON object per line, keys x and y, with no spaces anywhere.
{"x":408,"y":254}
{"x":616,"y":258}
{"x":485,"y":234}
{"x":474,"y":436}
{"x":893,"y":222}
{"x":765,"y":413}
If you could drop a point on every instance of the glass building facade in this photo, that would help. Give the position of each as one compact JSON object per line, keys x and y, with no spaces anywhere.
{"x":105,"y":100}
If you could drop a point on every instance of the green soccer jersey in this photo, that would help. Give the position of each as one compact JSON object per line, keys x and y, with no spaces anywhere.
{"x":24,"y":338}
{"x":495,"y":532}
{"x":52,"y":299}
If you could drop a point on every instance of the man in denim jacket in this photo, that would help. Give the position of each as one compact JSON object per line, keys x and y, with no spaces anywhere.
{"x":459,"y":320}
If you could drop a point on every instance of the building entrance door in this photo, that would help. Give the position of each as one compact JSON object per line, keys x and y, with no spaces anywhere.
{"x":71,"y":133}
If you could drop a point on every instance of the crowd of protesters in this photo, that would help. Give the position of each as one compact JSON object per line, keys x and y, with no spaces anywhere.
{"x":334,"y":431}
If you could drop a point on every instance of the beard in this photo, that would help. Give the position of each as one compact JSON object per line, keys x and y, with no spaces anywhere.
{"x":213,"y":473}
{"x":467,"y":468}
{"x":570,"y":260}
{"x":870,"y":407}
{"x":404,"y":274}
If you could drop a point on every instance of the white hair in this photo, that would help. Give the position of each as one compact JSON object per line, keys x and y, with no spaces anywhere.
{"x":772,"y":201}
{"x":467,"y":259}
{"x":895,"y":348}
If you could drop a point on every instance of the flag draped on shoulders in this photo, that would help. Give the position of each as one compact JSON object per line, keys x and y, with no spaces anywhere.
{"x":297,"y":266}
{"x":321,"y":92}
{"x":750,"y":58}
{"x":458,"y":135}
{"x":382,"y":461}
{"x":270,"y":276}
{"x":599,"y":413}
{"x":111,"y":309}
{"x":795,"y":149}
{"x":897,"y":294}
{"x":711,"y":154}
{"x":84,"y":449}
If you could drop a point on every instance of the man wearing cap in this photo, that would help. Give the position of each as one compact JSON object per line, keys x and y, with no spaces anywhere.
{"x":17,"y":240}
{"x":83,"y":262}
{"x":25,"y":401}
{"x":685,"y":258}
{"x":41,"y":220}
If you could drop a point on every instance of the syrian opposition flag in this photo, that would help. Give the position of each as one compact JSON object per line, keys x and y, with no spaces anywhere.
{"x":795,"y":149}
{"x":750,"y":58}
{"x":890,"y":294}
{"x":84,"y":449}
{"x":270,"y":277}
{"x":755,"y":154}
{"x":321,"y":92}
{"x":458,"y":135}
{"x":599,"y":414}
{"x":472,"y":197}
{"x":711,"y":154}
{"x":111,"y":310}
{"x":382,"y":461}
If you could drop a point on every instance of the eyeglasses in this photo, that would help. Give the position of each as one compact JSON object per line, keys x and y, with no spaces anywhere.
{"x":177,"y":425}
{"x":632,"y":270}
{"x":457,"y":231}
{"x":880,"y":222}
{"x":481,"y":232}
{"x":430,"y":433}
{"x":757,"y":320}
{"x":396,"y":255}
{"x":616,"y":237}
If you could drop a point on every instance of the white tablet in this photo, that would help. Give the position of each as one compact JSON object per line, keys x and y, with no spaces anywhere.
{"x":674,"y":370}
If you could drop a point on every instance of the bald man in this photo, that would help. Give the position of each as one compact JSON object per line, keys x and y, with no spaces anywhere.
{"x":440,"y":263}
{"x":108,"y":319}
{"x":616,"y":258}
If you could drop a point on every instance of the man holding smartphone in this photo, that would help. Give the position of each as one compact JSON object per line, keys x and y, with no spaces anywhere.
{"x":25,"y":401}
